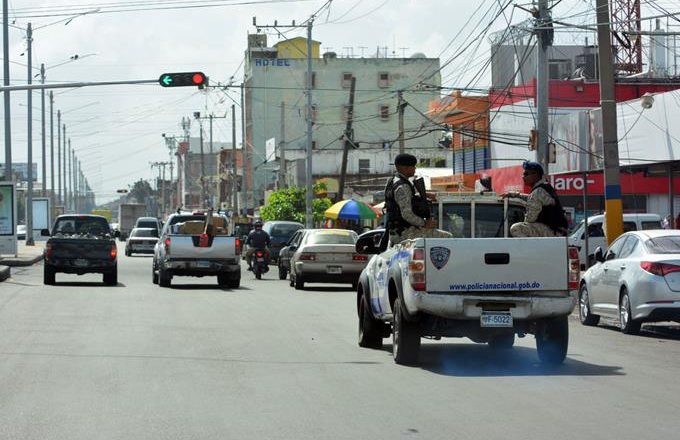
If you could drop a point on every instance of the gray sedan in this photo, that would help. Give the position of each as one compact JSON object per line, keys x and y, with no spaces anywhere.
{"x":141,"y":241}
{"x":326,"y":256}
{"x":636,"y":281}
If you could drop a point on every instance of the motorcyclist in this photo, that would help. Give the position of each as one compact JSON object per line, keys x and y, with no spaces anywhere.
{"x":257,"y":239}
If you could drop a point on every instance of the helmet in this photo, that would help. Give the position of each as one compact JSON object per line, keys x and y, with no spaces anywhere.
{"x":258,"y":223}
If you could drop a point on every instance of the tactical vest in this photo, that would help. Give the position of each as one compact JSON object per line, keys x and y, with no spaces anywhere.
{"x":552,"y":216}
{"x":419,"y":205}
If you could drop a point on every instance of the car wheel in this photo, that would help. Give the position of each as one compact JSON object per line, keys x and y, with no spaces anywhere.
{"x":552,"y":340}
{"x":154,"y":275}
{"x":299,"y":282}
{"x":283,"y":273}
{"x":164,"y":277}
{"x":222,"y":279}
{"x":49,"y":275}
{"x":584,"y":314}
{"x":258,"y":275}
{"x":370,"y":329}
{"x":405,"y":338}
{"x":355,"y":285}
{"x":111,"y":278}
{"x":234,"y":284}
{"x":628,"y":325}
{"x":502,"y":342}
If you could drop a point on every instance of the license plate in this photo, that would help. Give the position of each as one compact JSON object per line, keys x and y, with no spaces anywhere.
{"x":334,"y":269}
{"x":81,"y":263}
{"x":260,"y":260}
{"x":202,"y":264}
{"x":496,"y":319}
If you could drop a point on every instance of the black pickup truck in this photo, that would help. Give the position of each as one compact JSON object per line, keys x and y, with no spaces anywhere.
{"x":80,"y":244}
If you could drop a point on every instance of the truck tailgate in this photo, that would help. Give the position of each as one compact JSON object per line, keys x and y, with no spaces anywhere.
{"x":186,"y":247}
{"x":81,"y":248}
{"x":496,"y":264}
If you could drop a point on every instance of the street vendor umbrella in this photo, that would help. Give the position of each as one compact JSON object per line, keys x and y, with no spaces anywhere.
{"x":351,"y":210}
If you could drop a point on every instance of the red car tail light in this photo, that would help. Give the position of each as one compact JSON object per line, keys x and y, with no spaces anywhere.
{"x":359,"y":257}
{"x":114,"y":252}
{"x":48,"y":250}
{"x":416,"y":270}
{"x":660,"y":269}
{"x":238,"y":246}
{"x":259,"y":254}
{"x":167,"y":244}
{"x":574,"y":267}
{"x":306,"y":256}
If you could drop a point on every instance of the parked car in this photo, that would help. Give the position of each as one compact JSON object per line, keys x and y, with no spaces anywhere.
{"x":141,"y":241}
{"x":631,"y":222}
{"x":21,"y":232}
{"x":325,"y":256}
{"x":286,"y":252}
{"x":280,"y":232}
{"x":637,"y":280}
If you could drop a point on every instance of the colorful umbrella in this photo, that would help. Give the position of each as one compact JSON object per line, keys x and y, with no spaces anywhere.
{"x":351,"y":210}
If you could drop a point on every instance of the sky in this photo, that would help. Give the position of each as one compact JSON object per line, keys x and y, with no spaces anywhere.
{"x":116,"y":130}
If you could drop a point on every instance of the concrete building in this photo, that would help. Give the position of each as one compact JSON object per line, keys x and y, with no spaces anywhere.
{"x":275,"y":105}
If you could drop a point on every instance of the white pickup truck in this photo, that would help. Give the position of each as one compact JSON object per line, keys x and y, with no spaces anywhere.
{"x":479,"y":284}
{"x":186,"y":249}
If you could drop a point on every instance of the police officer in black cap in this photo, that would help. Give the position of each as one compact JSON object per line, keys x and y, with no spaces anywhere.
{"x":407,"y":209}
{"x":544,"y":216}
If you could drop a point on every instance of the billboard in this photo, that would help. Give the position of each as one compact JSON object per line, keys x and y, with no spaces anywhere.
{"x":8,"y":210}
{"x":41,"y":216}
{"x":269,"y":150}
{"x":20,"y":169}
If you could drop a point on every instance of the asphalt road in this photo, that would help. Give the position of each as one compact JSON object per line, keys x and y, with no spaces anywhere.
{"x":83,"y":361}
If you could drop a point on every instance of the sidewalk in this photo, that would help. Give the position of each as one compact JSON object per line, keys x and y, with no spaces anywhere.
{"x":27,"y":256}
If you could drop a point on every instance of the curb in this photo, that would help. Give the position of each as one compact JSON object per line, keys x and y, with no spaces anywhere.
{"x":4,"y":273}
{"x":17,"y":262}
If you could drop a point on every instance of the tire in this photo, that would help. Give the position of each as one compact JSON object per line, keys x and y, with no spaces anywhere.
{"x":552,"y":340}
{"x":405,"y":338}
{"x":628,"y":325}
{"x":234,"y":284}
{"x":502,"y":342}
{"x":222,"y":280}
{"x":299,"y":282}
{"x":128,"y":253}
{"x":258,"y":275}
{"x":370,"y":329}
{"x":355,"y":285}
{"x":49,"y":275}
{"x":154,"y":275}
{"x":283,"y":273}
{"x":164,"y":278}
{"x":111,"y":278}
{"x":584,"y":314}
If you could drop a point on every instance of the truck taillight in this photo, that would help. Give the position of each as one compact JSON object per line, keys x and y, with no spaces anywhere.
{"x":48,"y":250}
{"x":574,"y":267}
{"x":238,"y":246}
{"x":114,"y":251}
{"x":167,"y":244}
{"x":416,"y":270}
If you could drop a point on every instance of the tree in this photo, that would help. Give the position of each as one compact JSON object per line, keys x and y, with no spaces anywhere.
{"x":289,"y":204}
{"x":141,"y":190}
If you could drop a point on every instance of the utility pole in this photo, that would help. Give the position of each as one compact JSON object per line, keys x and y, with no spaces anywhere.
{"x":42,"y":121}
{"x":68,"y":191}
{"x":612,"y":187}
{"x":163,"y":211}
{"x":9,"y":176}
{"x":51,"y":151}
{"x":545,"y":37}
{"x":210,"y":187}
{"x":203,"y":196}
{"x":349,"y":139}
{"x":401,"y":106}
{"x":244,"y":157}
{"x":186,"y":125}
{"x":309,"y":199}
{"x":59,"y":155}
{"x":64,"y":158}
{"x":29,"y":129}
{"x":233,"y":158}
{"x":282,"y":148}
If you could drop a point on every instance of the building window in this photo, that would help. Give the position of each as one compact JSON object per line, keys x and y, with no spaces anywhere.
{"x":424,"y":163}
{"x":313,"y":79}
{"x":346,"y":80}
{"x":313,"y":145}
{"x":364,"y":166}
{"x":385,"y":112}
{"x":559,"y":69}
{"x":383,"y":79}
{"x":440,"y":163}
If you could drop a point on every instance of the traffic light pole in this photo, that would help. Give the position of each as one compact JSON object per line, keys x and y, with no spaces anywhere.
{"x":74,"y":85}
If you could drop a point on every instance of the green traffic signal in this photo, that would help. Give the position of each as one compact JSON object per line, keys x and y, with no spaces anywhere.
{"x":183,"y":79}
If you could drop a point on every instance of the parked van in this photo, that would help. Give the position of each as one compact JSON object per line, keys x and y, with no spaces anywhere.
{"x":631,"y":222}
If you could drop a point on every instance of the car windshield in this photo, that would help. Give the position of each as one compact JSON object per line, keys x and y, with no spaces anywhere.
{"x":145,"y":233}
{"x":147,"y":224}
{"x":284,"y":230}
{"x":664,"y":245}
{"x":81,"y":226}
{"x":332,"y":237}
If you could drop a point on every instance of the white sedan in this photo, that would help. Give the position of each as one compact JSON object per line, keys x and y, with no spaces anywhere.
{"x":636,"y":281}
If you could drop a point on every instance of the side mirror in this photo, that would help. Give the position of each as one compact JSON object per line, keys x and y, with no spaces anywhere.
{"x":44,"y":232}
{"x":292,"y":247}
{"x":366,"y":244}
{"x":599,"y":255}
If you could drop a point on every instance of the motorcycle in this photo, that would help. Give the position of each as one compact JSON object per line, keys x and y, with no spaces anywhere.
{"x":259,"y":263}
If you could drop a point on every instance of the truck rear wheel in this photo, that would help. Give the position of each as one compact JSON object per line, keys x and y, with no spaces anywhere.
{"x":405,"y":338}
{"x":370,"y":329}
{"x":111,"y":278}
{"x":552,"y":340}
{"x":49,"y":275}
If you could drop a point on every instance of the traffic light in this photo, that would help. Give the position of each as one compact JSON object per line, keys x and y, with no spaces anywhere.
{"x":183,"y":79}
{"x":122,"y":191}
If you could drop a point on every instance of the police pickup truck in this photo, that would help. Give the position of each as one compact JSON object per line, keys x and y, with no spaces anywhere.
{"x":196,"y":244}
{"x":479,"y":284}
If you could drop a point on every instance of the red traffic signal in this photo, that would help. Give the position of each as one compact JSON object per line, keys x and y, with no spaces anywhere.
{"x":183,"y":79}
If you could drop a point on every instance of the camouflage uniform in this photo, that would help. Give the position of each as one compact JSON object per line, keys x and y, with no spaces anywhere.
{"x":402,"y":196}
{"x":530,"y":227}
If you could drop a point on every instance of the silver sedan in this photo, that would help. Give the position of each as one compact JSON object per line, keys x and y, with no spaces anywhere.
{"x":326,"y":256}
{"x":636,"y":281}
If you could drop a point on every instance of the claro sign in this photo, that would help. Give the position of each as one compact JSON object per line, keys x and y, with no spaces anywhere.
{"x":570,"y":183}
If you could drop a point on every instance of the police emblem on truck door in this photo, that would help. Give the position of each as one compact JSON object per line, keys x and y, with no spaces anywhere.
{"x":439,"y":256}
